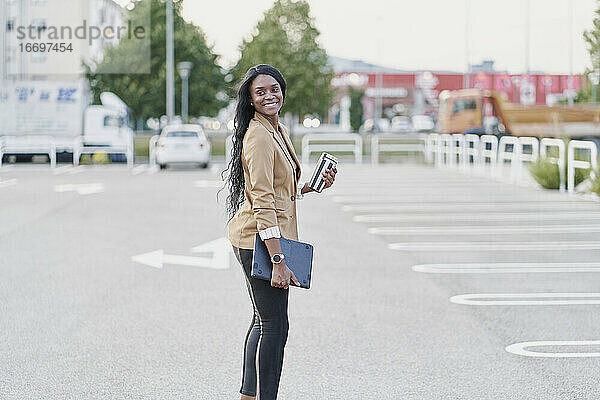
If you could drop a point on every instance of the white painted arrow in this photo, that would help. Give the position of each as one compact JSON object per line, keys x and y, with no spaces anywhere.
{"x":83,"y":188}
{"x":219,"y":248}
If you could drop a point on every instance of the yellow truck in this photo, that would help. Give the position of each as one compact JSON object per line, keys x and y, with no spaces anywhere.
{"x":487,"y":112}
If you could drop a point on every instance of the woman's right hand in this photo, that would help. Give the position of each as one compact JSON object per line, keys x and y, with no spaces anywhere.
{"x":281,"y":276}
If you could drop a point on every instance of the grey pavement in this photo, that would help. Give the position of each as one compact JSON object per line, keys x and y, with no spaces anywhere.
{"x":79,"y":319}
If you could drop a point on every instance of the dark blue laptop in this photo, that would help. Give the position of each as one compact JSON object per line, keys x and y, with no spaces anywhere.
{"x":298,"y":257}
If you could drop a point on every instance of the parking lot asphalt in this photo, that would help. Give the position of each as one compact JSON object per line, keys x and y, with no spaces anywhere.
{"x":428,"y":284}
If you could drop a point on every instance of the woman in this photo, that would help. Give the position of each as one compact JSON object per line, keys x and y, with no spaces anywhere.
{"x":263,"y":189}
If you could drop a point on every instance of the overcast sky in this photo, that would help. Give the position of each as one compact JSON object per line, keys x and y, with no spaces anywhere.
{"x":419,"y":34}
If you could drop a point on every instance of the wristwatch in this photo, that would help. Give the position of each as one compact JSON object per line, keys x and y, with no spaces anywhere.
{"x":277,"y":258}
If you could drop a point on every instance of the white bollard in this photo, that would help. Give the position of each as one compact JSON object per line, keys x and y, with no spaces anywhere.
{"x":592,"y":164}
{"x":485,"y":154}
{"x":512,"y":156}
{"x":546,"y":143}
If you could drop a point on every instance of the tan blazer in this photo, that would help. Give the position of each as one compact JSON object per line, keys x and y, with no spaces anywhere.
{"x":271,"y":180}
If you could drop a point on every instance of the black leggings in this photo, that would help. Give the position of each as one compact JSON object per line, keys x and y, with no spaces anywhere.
{"x":266,"y":337}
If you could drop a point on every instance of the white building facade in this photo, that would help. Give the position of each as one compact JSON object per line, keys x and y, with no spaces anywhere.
{"x":63,"y":27}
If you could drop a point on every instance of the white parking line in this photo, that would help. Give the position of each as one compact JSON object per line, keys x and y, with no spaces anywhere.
{"x":8,"y":182}
{"x":472,"y":299}
{"x":78,"y":169}
{"x":62,"y":170}
{"x":483,"y":217}
{"x":468,"y":207}
{"x":139,"y":169}
{"x":478,"y":230}
{"x":416,"y":198}
{"x":494,"y":246}
{"x":506,"y":268}
{"x":208,"y":184}
{"x":81,"y":188}
{"x":519,"y":348}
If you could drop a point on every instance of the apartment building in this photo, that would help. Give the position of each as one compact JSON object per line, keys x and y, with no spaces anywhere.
{"x":63,"y":23}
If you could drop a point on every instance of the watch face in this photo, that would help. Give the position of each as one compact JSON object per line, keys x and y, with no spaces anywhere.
{"x":276,"y":258}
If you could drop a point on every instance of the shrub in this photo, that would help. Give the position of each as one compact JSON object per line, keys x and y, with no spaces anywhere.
{"x":546,"y":174}
{"x":595,"y":188}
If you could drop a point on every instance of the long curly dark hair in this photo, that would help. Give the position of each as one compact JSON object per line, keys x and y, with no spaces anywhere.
{"x":244,"y":112}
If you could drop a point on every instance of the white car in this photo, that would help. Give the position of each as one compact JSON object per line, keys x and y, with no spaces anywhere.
{"x":185,"y":143}
{"x":401,"y":124}
{"x":423,"y":123}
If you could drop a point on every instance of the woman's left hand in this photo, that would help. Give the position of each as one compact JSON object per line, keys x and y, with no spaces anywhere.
{"x":329,"y":176}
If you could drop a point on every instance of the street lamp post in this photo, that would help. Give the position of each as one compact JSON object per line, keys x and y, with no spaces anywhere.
{"x":466,"y":80}
{"x":170,"y":62}
{"x":594,"y":79}
{"x":184,"y":69}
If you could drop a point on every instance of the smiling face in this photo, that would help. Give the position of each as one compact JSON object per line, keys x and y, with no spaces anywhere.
{"x":266,"y":95}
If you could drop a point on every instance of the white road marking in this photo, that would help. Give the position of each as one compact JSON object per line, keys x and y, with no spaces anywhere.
{"x":468,"y":207}
{"x":78,"y":169}
{"x":139,"y":169}
{"x":478,"y":230}
{"x":82,"y":188}
{"x":220,"y":249}
{"x":477,"y":217}
{"x":475,"y":299}
{"x":507,"y":268}
{"x":208,"y":184}
{"x":415,"y":198}
{"x":219,"y":259}
{"x":519,"y":348}
{"x":8,"y":182}
{"x":62,"y":170}
{"x":494,"y":246}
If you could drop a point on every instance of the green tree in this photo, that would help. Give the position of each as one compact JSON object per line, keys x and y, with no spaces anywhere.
{"x":356,"y":108}
{"x":287,"y":39}
{"x":146,"y":93}
{"x":592,"y":38}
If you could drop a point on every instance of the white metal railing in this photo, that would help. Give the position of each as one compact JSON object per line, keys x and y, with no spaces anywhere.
{"x":485,"y":154}
{"x":39,"y":144}
{"x":470,"y":151}
{"x":512,"y":156}
{"x":431,"y":143}
{"x":448,"y":149}
{"x":528,"y":157}
{"x":125,"y":148}
{"x":152,"y":150}
{"x":546,"y":143}
{"x":445,"y":150}
{"x":379,"y":145}
{"x":457,"y":150}
{"x":332,"y":142}
{"x":573,"y":164}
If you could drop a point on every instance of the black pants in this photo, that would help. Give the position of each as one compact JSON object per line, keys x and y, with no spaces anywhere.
{"x":267,"y":335}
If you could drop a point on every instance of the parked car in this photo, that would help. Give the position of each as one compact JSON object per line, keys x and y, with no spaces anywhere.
{"x":423,"y":123}
{"x":179,"y":144}
{"x":401,"y":124}
{"x":375,"y":126}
